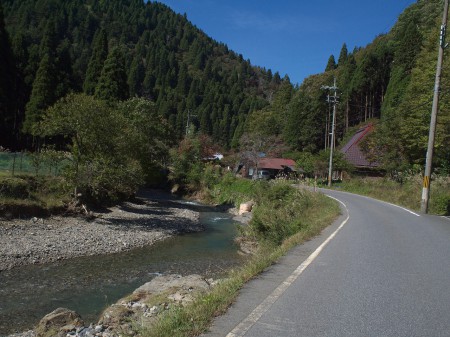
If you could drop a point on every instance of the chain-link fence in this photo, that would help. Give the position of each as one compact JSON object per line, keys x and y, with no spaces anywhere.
{"x":31,"y":163}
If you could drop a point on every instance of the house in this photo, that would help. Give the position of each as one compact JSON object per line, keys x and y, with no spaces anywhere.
{"x":273,"y":167}
{"x":353,"y":153}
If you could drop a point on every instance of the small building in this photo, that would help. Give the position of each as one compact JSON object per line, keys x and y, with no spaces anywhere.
{"x":353,"y":153}
{"x":274,"y":167}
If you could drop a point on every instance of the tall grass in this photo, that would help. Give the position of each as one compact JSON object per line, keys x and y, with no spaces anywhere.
{"x":408,"y":193}
{"x":283,"y":218}
{"x":27,"y":194}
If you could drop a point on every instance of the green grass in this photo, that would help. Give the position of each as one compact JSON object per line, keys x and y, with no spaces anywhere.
{"x":27,"y":194}
{"x":314,"y":212}
{"x":407,"y":194}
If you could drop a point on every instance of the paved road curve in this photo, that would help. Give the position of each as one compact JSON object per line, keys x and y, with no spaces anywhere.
{"x":385,"y":272}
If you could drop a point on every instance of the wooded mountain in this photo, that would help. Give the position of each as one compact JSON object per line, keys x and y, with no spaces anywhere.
{"x":124,"y":48}
{"x":119,"y":49}
{"x":389,"y":82}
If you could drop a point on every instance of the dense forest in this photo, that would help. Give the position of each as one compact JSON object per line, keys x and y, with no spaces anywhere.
{"x":390,"y":83}
{"x":117,"y":50}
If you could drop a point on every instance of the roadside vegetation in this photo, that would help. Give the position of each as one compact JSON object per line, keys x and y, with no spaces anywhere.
{"x":406,"y":191}
{"x":27,"y":194}
{"x":283,"y":217}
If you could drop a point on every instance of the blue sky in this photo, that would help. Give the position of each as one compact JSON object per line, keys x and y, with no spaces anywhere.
{"x":293,"y":37}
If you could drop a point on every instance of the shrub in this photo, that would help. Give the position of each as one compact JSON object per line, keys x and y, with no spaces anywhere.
{"x":13,"y":187}
{"x":440,"y":204}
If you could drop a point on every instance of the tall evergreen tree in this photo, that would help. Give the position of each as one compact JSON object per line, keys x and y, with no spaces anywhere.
{"x":95,"y":66}
{"x":343,"y":56}
{"x":331,"y":64}
{"x":112,"y":84}
{"x":7,"y":82}
{"x":136,"y":77}
{"x":42,"y":94}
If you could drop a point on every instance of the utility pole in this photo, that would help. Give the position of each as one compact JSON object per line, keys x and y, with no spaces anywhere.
{"x":188,"y":122}
{"x":332,"y":99}
{"x":434,"y":111}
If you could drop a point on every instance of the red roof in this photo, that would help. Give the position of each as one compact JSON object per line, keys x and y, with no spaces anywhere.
{"x":276,"y":163}
{"x":353,"y":153}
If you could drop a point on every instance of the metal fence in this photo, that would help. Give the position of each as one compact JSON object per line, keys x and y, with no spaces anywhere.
{"x":29,"y":163}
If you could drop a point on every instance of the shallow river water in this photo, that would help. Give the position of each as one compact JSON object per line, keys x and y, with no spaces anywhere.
{"x":89,"y":284}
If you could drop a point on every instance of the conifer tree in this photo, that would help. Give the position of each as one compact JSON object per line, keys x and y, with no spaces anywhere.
{"x":331,"y":64}
{"x":136,"y":77}
{"x":95,"y":66}
{"x":42,"y":94}
{"x":7,"y":81}
{"x":112,"y":84}
{"x":343,"y":55}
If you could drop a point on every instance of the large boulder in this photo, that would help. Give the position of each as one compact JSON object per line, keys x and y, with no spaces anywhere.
{"x":58,"y":323}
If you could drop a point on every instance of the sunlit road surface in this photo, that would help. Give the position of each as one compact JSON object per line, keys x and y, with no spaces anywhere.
{"x":380,"y":270}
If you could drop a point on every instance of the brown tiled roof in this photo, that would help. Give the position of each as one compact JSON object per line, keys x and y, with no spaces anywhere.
{"x":352,"y":152}
{"x":276,"y":163}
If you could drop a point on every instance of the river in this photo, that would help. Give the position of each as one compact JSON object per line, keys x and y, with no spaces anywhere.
{"x":89,"y":284}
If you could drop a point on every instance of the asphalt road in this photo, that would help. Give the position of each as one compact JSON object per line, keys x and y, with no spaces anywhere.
{"x":380,"y":270}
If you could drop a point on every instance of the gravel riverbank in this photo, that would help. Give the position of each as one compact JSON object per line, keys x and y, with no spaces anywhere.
{"x":151,"y":217}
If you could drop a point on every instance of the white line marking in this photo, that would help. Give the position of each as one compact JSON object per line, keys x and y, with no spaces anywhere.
{"x":382,"y":201}
{"x":403,"y":208}
{"x":446,"y":217}
{"x":242,"y":328}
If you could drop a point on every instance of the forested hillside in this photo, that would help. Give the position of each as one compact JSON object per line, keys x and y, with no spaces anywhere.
{"x":115,"y":50}
{"x":119,"y":49}
{"x":389,"y":82}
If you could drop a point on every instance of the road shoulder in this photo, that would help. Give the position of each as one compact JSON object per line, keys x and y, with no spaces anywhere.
{"x":257,"y":290}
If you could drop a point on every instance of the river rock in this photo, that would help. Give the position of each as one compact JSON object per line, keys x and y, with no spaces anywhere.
{"x":163,"y":283}
{"x":245,"y":207}
{"x":58,"y":323}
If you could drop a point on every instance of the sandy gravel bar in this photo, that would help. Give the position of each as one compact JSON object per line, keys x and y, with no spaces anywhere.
{"x":121,"y":228}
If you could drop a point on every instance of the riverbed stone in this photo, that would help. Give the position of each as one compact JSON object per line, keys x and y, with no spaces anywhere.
{"x":245,"y":207}
{"x":123,"y":227}
{"x":114,"y":314}
{"x":57,"y":322}
{"x":165,"y":282}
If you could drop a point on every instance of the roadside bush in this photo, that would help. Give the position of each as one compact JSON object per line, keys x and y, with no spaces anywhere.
{"x":231,"y":190}
{"x":440,"y":204}
{"x":406,"y":191}
{"x":211,"y":176}
{"x":279,"y":211}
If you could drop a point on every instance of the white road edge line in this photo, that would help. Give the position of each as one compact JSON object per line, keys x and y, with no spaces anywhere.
{"x":382,"y":201}
{"x":256,"y":314}
{"x":403,"y":208}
